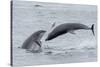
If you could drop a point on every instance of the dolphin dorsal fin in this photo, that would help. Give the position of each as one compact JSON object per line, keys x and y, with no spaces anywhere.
{"x":72,"y":32}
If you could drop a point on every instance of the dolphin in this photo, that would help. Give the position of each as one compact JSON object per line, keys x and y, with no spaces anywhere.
{"x":67,"y":28}
{"x":33,"y":43}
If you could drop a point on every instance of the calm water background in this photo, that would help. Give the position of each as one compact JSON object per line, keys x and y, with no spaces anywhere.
{"x":68,"y":48}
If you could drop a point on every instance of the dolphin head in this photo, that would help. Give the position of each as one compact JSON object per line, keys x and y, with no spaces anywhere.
{"x":48,"y":38}
{"x":51,"y":36}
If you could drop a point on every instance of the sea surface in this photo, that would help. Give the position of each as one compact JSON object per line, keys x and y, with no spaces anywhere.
{"x":29,"y":17}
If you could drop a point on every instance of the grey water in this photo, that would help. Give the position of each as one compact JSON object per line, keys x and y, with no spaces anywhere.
{"x":29,"y":17}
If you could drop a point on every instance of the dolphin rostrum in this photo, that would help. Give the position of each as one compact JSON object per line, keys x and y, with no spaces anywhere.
{"x":33,"y":42}
{"x":67,"y":28}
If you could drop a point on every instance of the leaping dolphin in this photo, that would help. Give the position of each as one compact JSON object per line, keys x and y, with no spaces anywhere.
{"x":67,"y":28}
{"x":33,"y":42}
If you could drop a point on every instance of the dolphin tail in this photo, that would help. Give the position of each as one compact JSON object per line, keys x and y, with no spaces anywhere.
{"x":92,"y":28}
